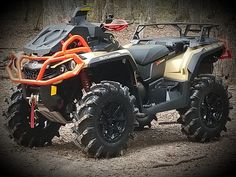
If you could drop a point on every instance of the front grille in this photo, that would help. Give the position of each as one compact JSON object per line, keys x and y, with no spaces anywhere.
{"x":33,"y":73}
{"x":30,"y":73}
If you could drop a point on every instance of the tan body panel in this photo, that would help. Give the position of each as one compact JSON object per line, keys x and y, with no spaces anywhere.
{"x":177,"y":68}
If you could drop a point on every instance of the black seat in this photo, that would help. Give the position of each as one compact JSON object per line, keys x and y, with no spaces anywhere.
{"x":145,"y":54}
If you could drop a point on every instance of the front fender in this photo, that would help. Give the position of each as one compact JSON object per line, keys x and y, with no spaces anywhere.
{"x":112,"y":57}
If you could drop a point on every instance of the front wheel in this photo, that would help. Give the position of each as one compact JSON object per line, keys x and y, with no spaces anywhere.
{"x":18,"y":124}
{"x":105,"y":120}
{"x":209,"y":110}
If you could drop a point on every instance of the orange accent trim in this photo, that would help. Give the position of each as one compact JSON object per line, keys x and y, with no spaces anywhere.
{"x":15,"y":63}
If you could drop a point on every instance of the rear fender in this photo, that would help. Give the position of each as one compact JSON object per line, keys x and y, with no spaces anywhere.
{"x":210,"y":55}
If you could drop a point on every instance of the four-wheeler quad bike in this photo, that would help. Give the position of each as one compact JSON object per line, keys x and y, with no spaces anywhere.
{"x":77,"y":73}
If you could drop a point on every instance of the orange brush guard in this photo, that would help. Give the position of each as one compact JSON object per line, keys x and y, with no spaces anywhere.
{"x":14,"y":67}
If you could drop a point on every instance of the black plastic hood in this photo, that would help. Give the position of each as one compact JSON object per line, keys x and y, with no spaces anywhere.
{"x":48,"y":40}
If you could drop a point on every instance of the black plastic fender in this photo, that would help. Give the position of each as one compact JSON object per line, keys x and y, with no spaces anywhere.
{"x":199,"y":57}
{"x":125,"y":57}
{"x":119,"y":55}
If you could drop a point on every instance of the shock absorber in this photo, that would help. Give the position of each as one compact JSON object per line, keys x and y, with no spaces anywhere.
{"x":85,"y":80}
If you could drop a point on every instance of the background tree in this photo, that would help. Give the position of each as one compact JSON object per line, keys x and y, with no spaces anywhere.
{"x":34,"y":15}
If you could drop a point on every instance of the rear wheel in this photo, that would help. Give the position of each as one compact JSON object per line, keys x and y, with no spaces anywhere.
{"x":209,"y":110}
{"x":105,"y":120}
{"x":18,"y":124}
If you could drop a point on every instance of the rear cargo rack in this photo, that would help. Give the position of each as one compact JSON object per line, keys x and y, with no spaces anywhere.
{"x":183,"y":28}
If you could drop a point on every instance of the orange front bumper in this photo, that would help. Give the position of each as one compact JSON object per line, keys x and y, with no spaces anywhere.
{"x":14,"y":67}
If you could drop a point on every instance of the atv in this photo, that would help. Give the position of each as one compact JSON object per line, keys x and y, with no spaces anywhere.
{"x":78,"y":73}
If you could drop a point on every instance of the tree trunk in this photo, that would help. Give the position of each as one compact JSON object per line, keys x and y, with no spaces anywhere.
{"x":58,"y":11}
{"x":26,"y":3}
{"x":183,"y":11}
{"x":108,"y":9}
{"x":98,"y":10}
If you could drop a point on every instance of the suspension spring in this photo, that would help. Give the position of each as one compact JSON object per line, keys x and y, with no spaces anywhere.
{"x":85,"y":81}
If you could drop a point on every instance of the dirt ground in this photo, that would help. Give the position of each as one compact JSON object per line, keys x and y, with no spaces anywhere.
{"x":149,"y":152}
{"x":160,"y":151}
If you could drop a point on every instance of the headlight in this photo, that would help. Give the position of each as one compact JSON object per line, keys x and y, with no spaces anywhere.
{"x":62,"y":68}
{"x":72,"y":65}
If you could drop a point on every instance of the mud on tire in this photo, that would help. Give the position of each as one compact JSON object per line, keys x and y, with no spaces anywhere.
{"x":17,"y":123}
{"x":105,"y":120}
{"x":209,"y":109}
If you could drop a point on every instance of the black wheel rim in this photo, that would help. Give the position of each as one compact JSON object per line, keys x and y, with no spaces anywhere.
{"x":112,"y":122}
{"x":212,"y":110}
